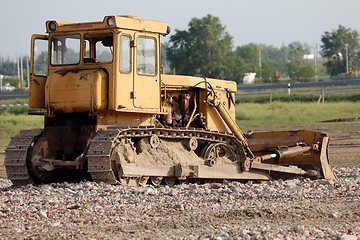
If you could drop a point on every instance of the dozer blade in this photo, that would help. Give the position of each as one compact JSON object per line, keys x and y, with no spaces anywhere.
{"x":281,"y":145}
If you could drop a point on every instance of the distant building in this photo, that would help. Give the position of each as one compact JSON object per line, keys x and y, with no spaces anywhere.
{"x":309,"y":56}
{"x":249,"y":78}
{"x":8,"y":87}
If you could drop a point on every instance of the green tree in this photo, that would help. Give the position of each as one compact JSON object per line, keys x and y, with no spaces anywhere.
{"x":8,"y":67}
{"x":205,"y":49}
{"x":266,"y":61}
{"x":250,"y":53}
{"x":275,"y":59}
{"x":163,"y":58}
{"x":339,"y":47}
{"x":300,"y":68}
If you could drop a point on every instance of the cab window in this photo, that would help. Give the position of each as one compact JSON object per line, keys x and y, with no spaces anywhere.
{"x":98,"y":48}
{"x":40,"y":60}
{"x":65,"y":49}
{"x":146,"y":56}
{"x":125,"y":54}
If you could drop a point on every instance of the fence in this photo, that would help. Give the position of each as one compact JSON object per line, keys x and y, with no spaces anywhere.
{"x":5,"y":95}
{"x":321,"y":93}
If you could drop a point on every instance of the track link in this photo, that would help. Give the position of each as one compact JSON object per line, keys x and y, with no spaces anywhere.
{"x":16,"y":154}
{"x":99,"y":154}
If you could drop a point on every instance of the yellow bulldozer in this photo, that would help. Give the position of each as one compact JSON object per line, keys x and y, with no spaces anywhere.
{"x":111,"y":115}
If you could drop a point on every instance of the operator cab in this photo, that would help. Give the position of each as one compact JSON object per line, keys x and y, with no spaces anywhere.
{"x":120,"y":56}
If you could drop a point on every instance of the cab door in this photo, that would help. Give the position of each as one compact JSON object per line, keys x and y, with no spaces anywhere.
{"x":146,"y":89}
{"x":38,"y":70}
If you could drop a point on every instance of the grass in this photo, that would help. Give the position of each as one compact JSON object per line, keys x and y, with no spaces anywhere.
{"x":249,"y":116}
{"x":14,"y":101}
{"x":11,"y":124}
{"x":278,"y":115}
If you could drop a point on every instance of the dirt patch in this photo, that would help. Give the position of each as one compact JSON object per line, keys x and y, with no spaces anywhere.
{"x":344,"y":150}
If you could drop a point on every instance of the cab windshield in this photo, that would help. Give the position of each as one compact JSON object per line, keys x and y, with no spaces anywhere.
{"x":66,"y":48}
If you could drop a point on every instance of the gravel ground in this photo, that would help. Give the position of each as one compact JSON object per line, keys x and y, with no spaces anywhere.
{"x":291,"y":209}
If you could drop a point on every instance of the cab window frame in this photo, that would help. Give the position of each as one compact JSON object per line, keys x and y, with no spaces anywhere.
{"x":53,"y":58}
{"x":146,"y":71}
{"x":40,"y":68}
{"x":92,"y":47}
{"x":128,"y":68}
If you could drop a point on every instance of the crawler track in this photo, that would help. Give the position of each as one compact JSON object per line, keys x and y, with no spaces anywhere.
{"x":99,"y":163}
{"x":101,"y":167}
{"x":16,"y":155}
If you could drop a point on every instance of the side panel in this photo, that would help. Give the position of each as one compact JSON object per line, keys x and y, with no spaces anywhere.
{"x":38,"y":70}
{"x":124,"y":119}
{"x":77,"y":91}
{"x":100,"y":91}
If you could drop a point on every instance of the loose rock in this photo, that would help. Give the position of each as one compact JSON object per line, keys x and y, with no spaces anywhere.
{"x":292,"y":209}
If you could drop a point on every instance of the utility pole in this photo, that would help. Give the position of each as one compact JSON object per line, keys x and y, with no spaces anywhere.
{"x":347,"y":58}
{"x":260,"y":63}
{"x":18,"y":69}
{"x":316,"y":62}
{"x":1,"y":78}
{"x":21,"y":72}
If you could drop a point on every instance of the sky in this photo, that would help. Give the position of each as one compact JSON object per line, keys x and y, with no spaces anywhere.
{"x":270,"y":22}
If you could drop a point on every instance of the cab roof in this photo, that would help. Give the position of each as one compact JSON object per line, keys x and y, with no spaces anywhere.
{"x":120,"y":22}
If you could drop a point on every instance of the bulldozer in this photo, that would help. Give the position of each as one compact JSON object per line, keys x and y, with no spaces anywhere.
{"x":111,"y":115}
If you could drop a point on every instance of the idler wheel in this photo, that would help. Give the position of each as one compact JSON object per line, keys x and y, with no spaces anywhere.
{"x":154,"y":141}
{"x":143,"y":180}
{"x":170,"y":181}
{"x":156,"y":181}
{"x":191,"y":144}
{"x":218,"y":150}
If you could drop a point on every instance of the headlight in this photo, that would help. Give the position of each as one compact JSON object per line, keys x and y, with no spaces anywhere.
{"x":111,"y":22}
{"x":168,"y":30}
{"x":52,"y":26}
